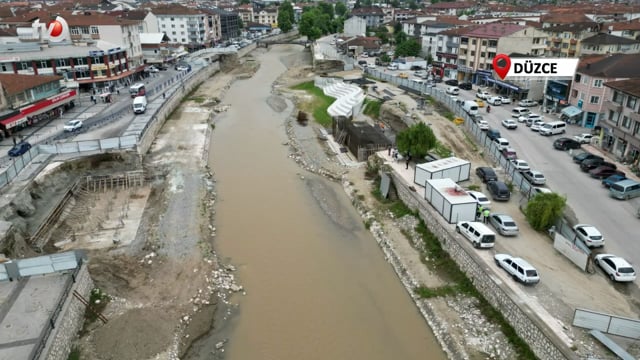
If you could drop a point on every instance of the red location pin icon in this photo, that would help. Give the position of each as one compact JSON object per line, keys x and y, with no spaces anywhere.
{"x":502,"y":64}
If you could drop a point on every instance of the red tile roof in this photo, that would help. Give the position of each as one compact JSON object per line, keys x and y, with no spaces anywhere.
{"x":630,"y":86}
{"x":175,"y":9}
{"x":17,"y":83}
{"x":87,"y":18}
{"x":494,"y":30}
{"x":623,"y":25}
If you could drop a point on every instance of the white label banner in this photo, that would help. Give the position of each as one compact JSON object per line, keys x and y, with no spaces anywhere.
{"x":543,"y":67}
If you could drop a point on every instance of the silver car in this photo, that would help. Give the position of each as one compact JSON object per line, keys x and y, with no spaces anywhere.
{"x":504,"y":224}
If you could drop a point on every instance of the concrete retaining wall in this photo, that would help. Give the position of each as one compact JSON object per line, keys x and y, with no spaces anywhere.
{"x":70,"y":319}
{"x":544,"y":343}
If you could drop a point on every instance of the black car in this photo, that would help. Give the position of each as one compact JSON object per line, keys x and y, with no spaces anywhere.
{"x":19,"y":149}
{"x":590,"y":164}
{"x":603,"y":172}
{"x":416,"y":67}
{"x":486,"y":174}
{"x":452,"y":82}
{"x":584,"y":156}
{"x":566,"y":144}
{"x":499,"y":190}
{"x":465,"y":86}
{"x":493,"y":134}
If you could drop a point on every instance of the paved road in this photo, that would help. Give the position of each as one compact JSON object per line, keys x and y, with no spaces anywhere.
{"x":586,"y":196}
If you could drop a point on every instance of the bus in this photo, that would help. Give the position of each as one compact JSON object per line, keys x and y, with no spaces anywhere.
{"x":137,"y":90}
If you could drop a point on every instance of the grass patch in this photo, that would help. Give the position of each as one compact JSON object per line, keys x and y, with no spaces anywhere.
{"x":74,"y":354}
{"x":442,"y":151}
{"x":470,"y":141}
{"x":198,"y":99}
{"x":372,"y":108}
{"x":318,"y":105}
{"x":399,"y":209}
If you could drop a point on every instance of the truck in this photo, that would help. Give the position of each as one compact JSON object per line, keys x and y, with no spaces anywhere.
{"x":470,"y":107}
{"x":410,"y":63}
{"x":139,"y":104}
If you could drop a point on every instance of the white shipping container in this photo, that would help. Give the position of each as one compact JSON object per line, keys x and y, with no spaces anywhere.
{"x":450,"y":200}
{"x":448,"y":168}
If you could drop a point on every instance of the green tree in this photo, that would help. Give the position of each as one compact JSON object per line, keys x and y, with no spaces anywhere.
{"x":544,"y":209}
{"x":382,"y":33}
{"x":395,"y":4}
{"x":400,"y":37}
{"x":285,"y":16}
{"x":413,"y":5}
{"x":326,"y":8}
{"x":385,"y":59}
{"x":409,"y":47}
{"x":416,"y":140}
{"x":341,"y":9}
{"x":357,"y":4}
{"x":314,"y":23}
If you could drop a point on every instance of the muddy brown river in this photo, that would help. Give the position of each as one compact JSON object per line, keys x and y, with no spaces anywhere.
{"x":317,"y":285}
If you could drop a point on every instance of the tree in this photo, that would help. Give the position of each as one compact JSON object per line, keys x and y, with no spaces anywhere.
{"x":285,"y":16}
{"x":409,"y":47}
{"x":326,"y":8}
{"x":341,"y":9}
{"x":416,"y":140}
{"x":413,"y":5}
{"x":400,"y":37}
{"x":544,"y":209}
{"x":382,"y":33}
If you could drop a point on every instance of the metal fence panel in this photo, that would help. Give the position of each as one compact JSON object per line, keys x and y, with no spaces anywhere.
{"x":606,"y":323}
{"x":111,"y":143}
{"x":88,"y":145}
{"x":67,"y":148}
{"x":128,"y":141}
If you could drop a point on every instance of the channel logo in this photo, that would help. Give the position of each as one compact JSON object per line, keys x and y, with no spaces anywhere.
{"x":505,"y":67}
{"x":57,"y":30}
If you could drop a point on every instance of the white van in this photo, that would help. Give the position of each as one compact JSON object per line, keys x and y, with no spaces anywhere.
{"x":470,"y":107}
{"x":519,"y":111}
{"x":478,"y":233}
{"x":553,"y":128}
{"x":501,"y":143}
{"x":625,"y":189}
{"x":139,"y":104}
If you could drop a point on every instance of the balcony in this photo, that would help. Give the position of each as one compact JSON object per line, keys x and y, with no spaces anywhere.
{"x":572,"y":52}
{"x":613,"y":106}
{"x":554,"y":49}
{"x":556,"y":40}
{"x":573,"y":41}
{"x":634,"y":116}
{"x":451,"y":44}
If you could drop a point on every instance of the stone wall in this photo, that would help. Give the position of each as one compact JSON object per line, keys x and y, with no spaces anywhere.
{"x":69,"y":320}
{"x":544,"y":343}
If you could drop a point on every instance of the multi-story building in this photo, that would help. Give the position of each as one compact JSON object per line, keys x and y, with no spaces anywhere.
{"x":245,"y":11}
{"x":229,"y":23}
{"x":267,"y":16}
{"x":588,"y":92}
{"x":427,"y":33}
{"x":622,"y":120}
{"x":26,"y":100}
{"x":355,"y":26}
{"x":626,"y":29}
{"x":564,"y":40}
{"x":445,"y":63}
{"x":373,"y":15}
{"x":451,"y":8}
{"x":603,"y":43}
{"x":183,"y":25}
{"x":148,"y":21}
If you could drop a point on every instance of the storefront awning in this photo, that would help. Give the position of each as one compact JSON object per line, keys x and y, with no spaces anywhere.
{"x":571,"y":111}
{"x":36,"y":108}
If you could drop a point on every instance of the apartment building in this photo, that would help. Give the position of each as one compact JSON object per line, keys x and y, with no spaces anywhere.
{"x":454,"y":8}
{"x":626,"y":29}
{"x":374,"y":16}
{"x":267,"y":16}
{"x":148,"y":21}
{"x":564,"y":40}
{"x":183,"y":25}
{"x":622,"y":121}
{"x":588,"y":92}
{"x":245,"y":11}
{"x":445,"y":63}
{"x":604,"y":43}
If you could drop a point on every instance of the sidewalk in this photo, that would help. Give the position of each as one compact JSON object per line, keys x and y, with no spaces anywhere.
{"x":626,"y":168}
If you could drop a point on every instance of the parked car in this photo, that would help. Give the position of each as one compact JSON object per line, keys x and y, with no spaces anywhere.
{"x":499,"y":190}
{"x":617,"y":268}
{"x":527,"y":103}
{"x":483,"y":94}
{"x":520,"y":165}
{"x":589,"y":235}
{"x":583,"y":138}
{"x":505,"y":100}
{"x":494,"y":100}
{"x":403,"y":75}
{"x":452,"y":82}
{"x":486,"y":174}
{"x":578,"y":158}
{"x":19,"y":149}
{"x":453,"y":90}
{"x":603,"y":172}
{"x":481,"y":198}
{"x":72,"y":125}
{"x":590,"y":164}
{"x":477,"y":233}
{"x":564,"y":143}
{"x":510,"y":124}
{"x":518,"y":268}
{"x":493,"y":133}
{"x":483,"y":125}
{"x":518,"y":112}
{"x":540,"y":190}
{"x":613,"y":179}
{"x":420,"y":73}
{"x":529,"y":118}
{"x":534,"y":177}
{"x":504,"y":224}
{"x":537,"y":125}
{"x":480,"y":103}
{"x":465,"y":86}
{"x":152,"y":69}
{"x":509,"y":153}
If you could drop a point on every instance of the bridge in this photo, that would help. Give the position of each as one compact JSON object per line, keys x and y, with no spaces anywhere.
{"x":266,"y":43}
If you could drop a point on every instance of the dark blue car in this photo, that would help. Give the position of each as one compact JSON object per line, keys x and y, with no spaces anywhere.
{"x":19,"y":149}
{"x":612,"y":180}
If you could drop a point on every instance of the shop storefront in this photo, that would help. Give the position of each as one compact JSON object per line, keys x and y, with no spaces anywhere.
{"x":465,"y":73}
{"x":44,"y":110}
{"x":556,"y":95}
{"x":481,"y":77}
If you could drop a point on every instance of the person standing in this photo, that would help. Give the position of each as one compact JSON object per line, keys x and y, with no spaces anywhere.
{"x":485,"y":214}
{"x":479,"y":210}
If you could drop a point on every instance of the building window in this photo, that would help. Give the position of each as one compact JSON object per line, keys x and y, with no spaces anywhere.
{"x":473,"y":42}
{"x":94,"y":30}
{"x":612,"y":115}
{"x":594,"y":100}
{"x":80,"y":61}
{"x":482,"y":54}
{"x":75,"y":30}
{"x":597,"y":83}
{"x":585,"y":80}
{"x":626,"y":122}
{"x":172,"y":19}
{"x":4,"y":67}
{"x":631,"y":102}
{"x":173,"y":33}
{"x":636,"y":128}
{"x":493,"y":43}
{"x":577,"y":78}
{"x":43,"y":64}
{"x":582,"y":95}
{"x":25,"y":65}
{"x":84,"y":30}
{"x":96,"y":60}
{"x":617,"y":97}
{"x":484,"y":42}
{"x":574,"y":93}
{"x":173,"y":26}
{"x":473,"y":53}
{"x":184,"y":40}
{"x":61,"y":62}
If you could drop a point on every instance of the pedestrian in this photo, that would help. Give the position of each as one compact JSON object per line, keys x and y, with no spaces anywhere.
{"x":408,"y":161}
{"x":485,"y":214}
{"x":395,"y":155}
{"x":14,"y":141}
{"x":164,"y":95}
{"x":389,"y":150}
{"x":479,"y":212}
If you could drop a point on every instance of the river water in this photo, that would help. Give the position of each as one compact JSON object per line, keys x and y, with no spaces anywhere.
{"x":317,"y":284}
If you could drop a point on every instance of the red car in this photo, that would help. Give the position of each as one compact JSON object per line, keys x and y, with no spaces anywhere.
{"x":603,"y":172}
